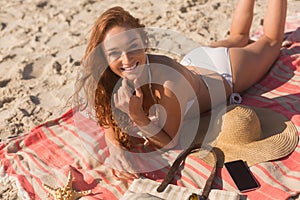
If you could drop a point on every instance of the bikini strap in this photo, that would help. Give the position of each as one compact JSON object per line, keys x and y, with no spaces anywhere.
{"x":154,"y":98}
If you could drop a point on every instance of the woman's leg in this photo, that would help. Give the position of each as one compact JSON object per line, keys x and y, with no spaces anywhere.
{"x":240,"y":26}
{"x":250,"y":63}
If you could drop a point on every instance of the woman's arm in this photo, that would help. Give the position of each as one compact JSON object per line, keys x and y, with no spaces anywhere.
{"x":163,"y":134}
{"x":121,"y":165}
{"x":110,"y":137}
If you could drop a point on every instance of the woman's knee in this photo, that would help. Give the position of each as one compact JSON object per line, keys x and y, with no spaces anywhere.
{"x":233,"y":41}
{"x":270,"y":46}
{"x":238,"y":40}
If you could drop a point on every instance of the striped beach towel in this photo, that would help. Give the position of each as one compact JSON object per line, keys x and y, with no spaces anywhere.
{"x":74,"y":142}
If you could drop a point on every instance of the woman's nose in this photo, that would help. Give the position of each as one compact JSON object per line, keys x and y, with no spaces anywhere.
{"x":125,"y":58}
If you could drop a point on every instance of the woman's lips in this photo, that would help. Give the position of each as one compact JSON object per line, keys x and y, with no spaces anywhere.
{"x":128,"y":69}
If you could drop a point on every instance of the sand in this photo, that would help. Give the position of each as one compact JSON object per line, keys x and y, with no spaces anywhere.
{"x":42,"y":42}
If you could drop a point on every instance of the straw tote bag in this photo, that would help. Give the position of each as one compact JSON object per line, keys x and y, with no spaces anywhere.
{"x":174,"y":168}
{"x":148,"y":189}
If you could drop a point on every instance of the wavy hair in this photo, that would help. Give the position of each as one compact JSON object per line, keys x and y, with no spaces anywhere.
{"x":97,"y":81}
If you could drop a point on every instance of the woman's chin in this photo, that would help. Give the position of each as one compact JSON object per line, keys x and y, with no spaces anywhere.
{"x":131,"y":76}
{"x":134,"y":74}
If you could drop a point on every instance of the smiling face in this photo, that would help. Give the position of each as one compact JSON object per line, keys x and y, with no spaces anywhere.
{"x":125,"y":51}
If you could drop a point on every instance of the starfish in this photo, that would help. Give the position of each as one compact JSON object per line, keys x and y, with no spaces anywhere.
{"x":66,"y":192}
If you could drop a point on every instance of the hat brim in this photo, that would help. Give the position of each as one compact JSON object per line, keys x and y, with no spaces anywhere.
{"x":279,"y":138}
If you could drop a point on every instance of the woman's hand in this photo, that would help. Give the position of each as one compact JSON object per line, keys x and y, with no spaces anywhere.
{"x":122,"y":97}
{"x":130,"y":102}
{"x":121,"y":163}
{"x":136,"y":110}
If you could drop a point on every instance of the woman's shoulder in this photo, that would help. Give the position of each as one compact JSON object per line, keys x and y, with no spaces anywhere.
{"x":169,"y":72}
{"x":160,"y":59}
{"x":162,"y":63}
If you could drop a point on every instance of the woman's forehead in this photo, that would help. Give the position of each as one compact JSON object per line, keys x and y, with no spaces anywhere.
{"x":119,"y":36}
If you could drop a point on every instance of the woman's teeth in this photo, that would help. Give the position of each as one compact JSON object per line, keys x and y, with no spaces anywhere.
{"x":130,"y":68}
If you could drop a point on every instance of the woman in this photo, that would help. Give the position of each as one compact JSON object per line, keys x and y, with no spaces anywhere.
{"x":122,"y":82}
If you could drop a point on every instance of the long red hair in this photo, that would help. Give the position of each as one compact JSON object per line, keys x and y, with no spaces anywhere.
{"x":98,"y":82}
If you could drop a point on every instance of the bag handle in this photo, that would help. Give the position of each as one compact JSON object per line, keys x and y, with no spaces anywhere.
{"x":175,"y":166}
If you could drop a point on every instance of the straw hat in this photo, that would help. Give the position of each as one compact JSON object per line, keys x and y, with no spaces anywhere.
{"x":254,"y":135}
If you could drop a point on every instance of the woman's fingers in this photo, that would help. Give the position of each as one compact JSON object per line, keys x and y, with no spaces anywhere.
{"x":138,"y":90}
{"x":137,"y":99}
{"x":122,"y":96}
{"x":119,"y":175}
{"x":121,"y":160}
{"x":126,"y":89}
{"x":136,"y":110}
{"x":286,"y":43}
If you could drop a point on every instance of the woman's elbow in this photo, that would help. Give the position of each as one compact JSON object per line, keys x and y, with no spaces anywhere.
{"x":173,"y":143}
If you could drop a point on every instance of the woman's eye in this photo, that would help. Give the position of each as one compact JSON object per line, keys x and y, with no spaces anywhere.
{"x":114,"y":55}
{"x":134,"y":47}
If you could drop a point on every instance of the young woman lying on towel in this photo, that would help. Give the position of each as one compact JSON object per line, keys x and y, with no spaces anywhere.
{"x":129,"y":88}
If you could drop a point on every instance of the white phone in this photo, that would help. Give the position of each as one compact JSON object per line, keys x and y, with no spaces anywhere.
{"x":242,"y":176}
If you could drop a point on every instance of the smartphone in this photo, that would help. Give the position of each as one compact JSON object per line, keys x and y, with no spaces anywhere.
{"x":242,"y":176}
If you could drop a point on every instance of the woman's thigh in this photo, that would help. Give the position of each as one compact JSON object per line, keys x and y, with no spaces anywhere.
{"x":249,"y":64}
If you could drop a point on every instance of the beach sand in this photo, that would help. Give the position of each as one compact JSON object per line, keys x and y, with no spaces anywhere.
{"x":42,"y":42}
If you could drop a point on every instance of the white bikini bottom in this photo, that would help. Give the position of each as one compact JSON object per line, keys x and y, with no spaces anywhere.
{"x":215,"y":59}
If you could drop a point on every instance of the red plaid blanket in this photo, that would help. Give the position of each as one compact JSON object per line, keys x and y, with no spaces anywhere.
{"x":48,"y":152}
